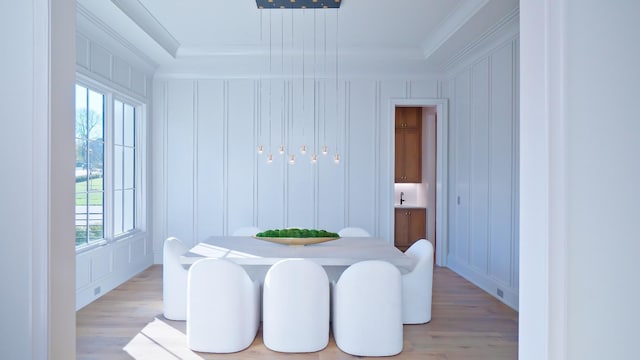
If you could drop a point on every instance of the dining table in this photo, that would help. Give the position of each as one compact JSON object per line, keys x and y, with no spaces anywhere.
{"x":257,"y":255}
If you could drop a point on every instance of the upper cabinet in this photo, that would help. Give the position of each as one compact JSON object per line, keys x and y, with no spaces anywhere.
{"x":408,"y":167}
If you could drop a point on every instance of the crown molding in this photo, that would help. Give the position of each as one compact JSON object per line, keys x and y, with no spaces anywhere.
{"x":100,"y":25}
{"x":149,"y":24}
{"x":504,"y":30}
{"x":450,"y":26}
{"x":263,"y":51}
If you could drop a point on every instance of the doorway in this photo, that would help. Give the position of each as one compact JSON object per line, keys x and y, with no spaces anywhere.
{"x":432,"y":190}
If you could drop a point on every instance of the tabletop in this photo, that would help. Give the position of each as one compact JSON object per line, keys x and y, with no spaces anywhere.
{"x":246,"y":250}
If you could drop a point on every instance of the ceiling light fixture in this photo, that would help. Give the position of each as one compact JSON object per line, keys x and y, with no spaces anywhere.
{"x":260,"y":146}
{"x":336,"y":158}
{"x":287,"y":113}
{"x":270,"y":156}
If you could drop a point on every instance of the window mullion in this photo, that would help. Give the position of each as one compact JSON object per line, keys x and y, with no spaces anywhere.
{"x":108,"y":168}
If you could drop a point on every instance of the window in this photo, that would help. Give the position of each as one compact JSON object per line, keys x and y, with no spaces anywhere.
{"x":124,"y":160}
{"x":106,"y":165}
{"x":89,"y":165}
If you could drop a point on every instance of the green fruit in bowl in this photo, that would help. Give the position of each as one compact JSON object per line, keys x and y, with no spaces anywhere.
{"x":297,"y":233}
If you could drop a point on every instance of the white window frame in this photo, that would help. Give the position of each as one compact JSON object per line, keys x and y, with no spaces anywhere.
{"x":140,"y":106}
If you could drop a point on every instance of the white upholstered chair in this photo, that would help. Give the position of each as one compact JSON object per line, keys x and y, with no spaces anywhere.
{"x":246,"y":231}
{"x":174,"y":280}
{"x":223,"y":307}
{"x":353,"y":232}
{"x":367,"y":309}
{"x":295,"y":310}
{"x":418,"y":284}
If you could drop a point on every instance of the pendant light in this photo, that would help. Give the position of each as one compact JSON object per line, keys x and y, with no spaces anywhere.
{"x":287,"y":96}
{"x":336,"y":158}
{"x":292,"y":156}
{"x":325,"y":149}
{"x":270,"y":156}
{"x":314,"y":157}
{"x":260,"y":147}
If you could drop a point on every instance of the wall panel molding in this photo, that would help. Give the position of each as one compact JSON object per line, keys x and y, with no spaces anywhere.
{"x":106,"y":66}
{"x":195,"y":192}
{"x":483,"y":231}
{"x":345,"y":155}
{"x":377,"y":106}
{"x":225,"y":156}
{"x":225,"y":114}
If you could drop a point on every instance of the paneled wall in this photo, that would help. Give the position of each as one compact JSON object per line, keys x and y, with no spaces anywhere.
{"x":483,"y":215}
{"x":101,"y":269}
{"x":208,"y":178}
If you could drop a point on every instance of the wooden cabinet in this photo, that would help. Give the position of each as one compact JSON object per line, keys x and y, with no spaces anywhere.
{"x":410,"y":226}
{"x":408,"y":159}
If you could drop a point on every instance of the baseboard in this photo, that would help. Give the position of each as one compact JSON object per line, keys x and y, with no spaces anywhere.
{"x":509,"y":296}
{"x":88,"y":294}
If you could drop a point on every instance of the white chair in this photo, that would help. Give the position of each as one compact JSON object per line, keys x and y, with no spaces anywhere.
{"x":174,"y":280}
{"x":353,"y":232}
{"x":246,"y":231}
{"x":367,"y":309}
{"x":417,"y":285}
{"x":223,"y":307}
{"x":295,"y":307}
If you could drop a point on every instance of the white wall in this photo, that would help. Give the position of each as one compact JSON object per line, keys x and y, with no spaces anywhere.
{"x":107,"y":63}
{"x":580,"y":177}
{"x":208,"y":178}
{"x":483,"y":212}
{"x":36,"y":156}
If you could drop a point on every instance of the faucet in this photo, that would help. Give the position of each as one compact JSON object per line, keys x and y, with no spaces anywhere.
{"x":401,"y":197}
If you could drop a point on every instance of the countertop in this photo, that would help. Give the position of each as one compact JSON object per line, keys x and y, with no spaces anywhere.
{"x":409,"y":206}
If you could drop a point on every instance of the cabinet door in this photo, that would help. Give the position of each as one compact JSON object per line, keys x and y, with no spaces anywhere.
{"x":401,"y":229}
{"x":408,"y":117}
{"x":412,"y":156}
{"x":408,"y":147}
{"x":400,"y":151}
{"x":417,"y":225}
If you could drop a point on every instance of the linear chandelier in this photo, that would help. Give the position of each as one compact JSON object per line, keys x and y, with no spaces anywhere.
{"x":287,"y":96}
{"x":298,"y":4}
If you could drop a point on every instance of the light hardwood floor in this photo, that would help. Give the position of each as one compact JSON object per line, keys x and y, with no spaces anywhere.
{"x":127,"y":323}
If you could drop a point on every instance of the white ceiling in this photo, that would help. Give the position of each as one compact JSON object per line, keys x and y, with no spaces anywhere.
{"x":425,"y":34}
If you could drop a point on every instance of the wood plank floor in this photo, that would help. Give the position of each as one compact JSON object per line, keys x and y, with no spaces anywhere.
{"x":127,"y":323}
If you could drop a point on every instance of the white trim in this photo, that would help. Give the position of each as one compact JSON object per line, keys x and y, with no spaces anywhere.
{"x":96,"y":80}
{"x":376,"y":153}
{"x":84,"y":13}
{"x":195,"y":182}
{"x":257,"y":116}
{"x":557,"y":122}
{"x":61,"y":152}
{"x":149,"y":24}
{"x":442,"y":144}
{"x":225,"y":157}
{"x":344,"y":161}
{"x":543,"y":206}
{"x":40,"y":264}
{"x":165,"y":168}
{"x":110,"y":96}
{"x":451,"y":25}
{"x":501,"y":33}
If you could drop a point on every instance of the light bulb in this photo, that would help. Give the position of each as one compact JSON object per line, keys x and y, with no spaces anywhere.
{"x":336,"y":158}
{"x":281,"y":150}
{"x":269,"y":159}
{"x":260,"y":149}
{"x":303,"y":149}
{"x":314,"y":158}
{"x":325,"y":150}
{"x":292,"y":159}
